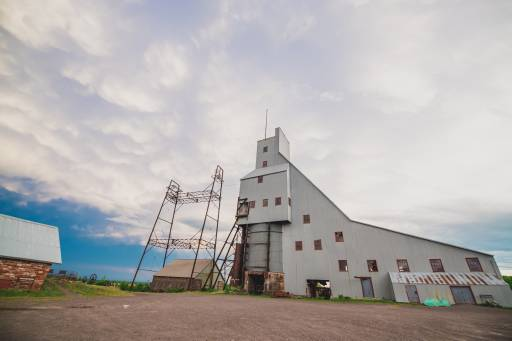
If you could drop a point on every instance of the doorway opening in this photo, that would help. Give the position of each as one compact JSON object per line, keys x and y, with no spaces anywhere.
{"x":319,"y":288}
{"x":366,"y":284}
{"x":256,"y":284}
{"x":412,"y":293}
{"x":462,"y":295}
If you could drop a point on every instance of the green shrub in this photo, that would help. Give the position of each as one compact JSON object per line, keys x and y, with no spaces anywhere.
{"x":508,"y":279}
{"x":139,"y":286}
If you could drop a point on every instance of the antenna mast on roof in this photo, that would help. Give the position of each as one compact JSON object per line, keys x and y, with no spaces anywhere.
{"x":266,"y":115}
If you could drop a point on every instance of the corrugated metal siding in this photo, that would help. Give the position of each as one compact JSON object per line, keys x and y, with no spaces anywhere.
{"x":446,"y":278}
{"x":28,"y":240}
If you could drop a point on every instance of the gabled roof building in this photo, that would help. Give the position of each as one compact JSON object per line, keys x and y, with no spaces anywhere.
{"x":297,"y":240}
{"x":27,"y":251}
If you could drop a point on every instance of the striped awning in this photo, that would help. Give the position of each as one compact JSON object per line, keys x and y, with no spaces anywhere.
{"x":446,"y":278}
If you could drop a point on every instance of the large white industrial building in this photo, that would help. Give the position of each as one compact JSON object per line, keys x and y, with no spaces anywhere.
{"x":297,"y":240}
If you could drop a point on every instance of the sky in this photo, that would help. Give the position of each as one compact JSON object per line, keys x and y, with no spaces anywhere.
{"x":400,"y":111}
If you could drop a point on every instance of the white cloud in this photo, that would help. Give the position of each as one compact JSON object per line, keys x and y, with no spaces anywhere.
{"x":166,"y":64}
{"x":59,"y":24}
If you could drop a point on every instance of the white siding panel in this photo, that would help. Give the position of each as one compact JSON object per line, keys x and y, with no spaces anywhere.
{"x":28,"y":240}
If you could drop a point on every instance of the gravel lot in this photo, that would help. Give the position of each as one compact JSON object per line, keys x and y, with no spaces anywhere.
{"x":198,"y":316}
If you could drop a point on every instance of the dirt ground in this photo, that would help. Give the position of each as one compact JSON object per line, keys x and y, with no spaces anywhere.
{"x":198,"y":316}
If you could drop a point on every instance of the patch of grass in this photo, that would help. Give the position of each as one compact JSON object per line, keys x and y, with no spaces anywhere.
{"x":84,"y":289}
{"x":175,"y":290}
{"x":50,"y":288}
{"x":232,"y":290}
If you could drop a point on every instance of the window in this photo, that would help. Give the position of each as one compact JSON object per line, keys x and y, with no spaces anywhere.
{"x":260,"y":179}
{"x":252,"y":204}
{"x":265,"y":202}
{"x":474,"y":264}
{"x":265,"y":163}
{"x":298,"y":245}
{"x":437,"y":265}
{"x":372,"y":265}
{"x":289,"y":201}
{"x":278,"y":201}
{"x":403,"y":266}
{"x":318,"y":244}
{"x":343,"y":265}
{"x":265,"y":149}
{"x":306,"y":219}
{"x":338,"y":236}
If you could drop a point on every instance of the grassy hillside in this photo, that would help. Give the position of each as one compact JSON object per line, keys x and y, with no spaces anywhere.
{"x":54,"y":287}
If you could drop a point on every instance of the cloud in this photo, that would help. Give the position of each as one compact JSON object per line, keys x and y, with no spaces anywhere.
{"x":59,"y":24}
{"x":399,"y":112}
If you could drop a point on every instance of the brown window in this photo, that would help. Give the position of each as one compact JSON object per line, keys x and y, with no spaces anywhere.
{"x":289,"y":201}
{"x":265,"y":202}
{"x":403,"y":266}
{"x":252,"y":204}
{"x":298,"y":245}
{"x":338,"y":236}
{"x":306,"y":219}
{"x":318,"y":244}
{"x":474,"y":264}
{"x":265,"y":163}
{"x":260,"y":179}
{"x":437,"y":265}
{"x":372,"y":265}
{"x":278,"y":201}
{"x":343,"y":265}
{"x":265,"y":149}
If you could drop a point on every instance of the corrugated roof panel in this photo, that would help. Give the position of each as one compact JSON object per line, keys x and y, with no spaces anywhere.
{"x":23,"y":239}
{"x":183,"y":268}
{"x":446,"y":278}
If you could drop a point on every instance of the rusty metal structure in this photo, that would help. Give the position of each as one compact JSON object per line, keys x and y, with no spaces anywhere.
{"x":230,"y":259}
{"x":162,"y":234}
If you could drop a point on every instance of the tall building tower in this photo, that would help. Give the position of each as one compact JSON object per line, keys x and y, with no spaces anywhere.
{"x":295,"y":239}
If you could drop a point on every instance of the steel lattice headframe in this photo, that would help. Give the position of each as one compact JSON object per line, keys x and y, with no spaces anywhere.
{"x":174,"y":198}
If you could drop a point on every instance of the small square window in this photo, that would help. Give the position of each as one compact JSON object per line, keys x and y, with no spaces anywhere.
{"x":278,"y":201}
{"x":265,"y":202}
{"x":372,"y":265}
{"x":265,"y":163}
{"x":306,"y":219}
{"x":318,"y":244}
{"x":403,"y":265}
{"x":252,"y":204}
{"x":260,"y":179}
{"x":265,"y":149}
{"x":289,"y":201}
{"x":474,"y":264}
{"x":298,"y":245}
{"x":343,"y":265}
{"x":437,"y":265}
{"x":338,"y":236}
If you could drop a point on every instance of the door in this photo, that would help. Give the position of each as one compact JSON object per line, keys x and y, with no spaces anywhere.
{"x":412,"y":293}
{"x":462,"y":295}
{"x":367,"y":285}
{"x":256,"y":284}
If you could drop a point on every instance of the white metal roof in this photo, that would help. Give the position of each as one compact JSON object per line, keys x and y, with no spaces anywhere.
{"x":446,"y":278}
{"x":267,"y":170}
{"x":23,"y":239}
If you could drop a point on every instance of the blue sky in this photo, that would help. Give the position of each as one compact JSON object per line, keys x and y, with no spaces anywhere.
{"x":400,"y":111}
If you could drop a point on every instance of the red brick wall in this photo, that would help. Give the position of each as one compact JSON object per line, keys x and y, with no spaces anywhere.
{"x":22,"y":274}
